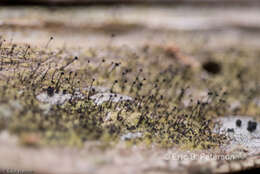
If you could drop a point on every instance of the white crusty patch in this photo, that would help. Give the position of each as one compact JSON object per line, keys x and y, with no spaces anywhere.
{"x":248,"y":137}
{"x":131,"y":135}
{"x":58,"y":98}
{"x":99,"y":97}
{"x":103,"y":97}
{"x":97,"y":89}
{"x":54,"y":99}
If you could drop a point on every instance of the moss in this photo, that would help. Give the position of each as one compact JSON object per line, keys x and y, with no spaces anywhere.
{"x":159,"y":90}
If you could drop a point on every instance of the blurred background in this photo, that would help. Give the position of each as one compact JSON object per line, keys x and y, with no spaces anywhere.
{"x":84,"y":23}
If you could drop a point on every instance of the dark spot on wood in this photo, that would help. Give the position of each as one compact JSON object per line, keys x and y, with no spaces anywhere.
{"x":238,"y":123}
{"x":50,"y":91}
{"x":230,"y":130}
{"x":212,"y":67}
{"x":251,"y":126}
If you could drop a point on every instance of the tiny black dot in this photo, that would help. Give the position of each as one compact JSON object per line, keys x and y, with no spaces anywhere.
{"x":64,"y":91}
{"x":230,"y":130}
{"x":251,"y":126}
{"x":212,"y":67}
{"x":210,"y":93}
{"x":50,"y":91}
{"x":238,"y":123}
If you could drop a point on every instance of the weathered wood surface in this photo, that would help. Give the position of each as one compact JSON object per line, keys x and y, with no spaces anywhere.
{"x":219,"y":25}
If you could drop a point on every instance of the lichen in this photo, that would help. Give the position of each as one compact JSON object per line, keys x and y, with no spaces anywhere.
{"x":170,"y":103}
{"x":241,"y":130}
